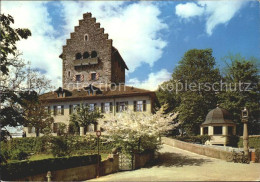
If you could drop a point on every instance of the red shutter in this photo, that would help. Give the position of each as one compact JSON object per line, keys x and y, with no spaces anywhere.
{"x":82,"y":78}
{"x":97,"y":76}
{"x":89,"y":77}
{"x":74,"y":78}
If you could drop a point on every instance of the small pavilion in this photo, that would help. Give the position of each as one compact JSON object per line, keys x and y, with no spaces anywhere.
{"x":219,"y":126}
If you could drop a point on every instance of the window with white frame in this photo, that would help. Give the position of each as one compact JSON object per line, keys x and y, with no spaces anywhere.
{"x":139,"y":106}
{"x":59,"y":110}
{"x":122,"y":106}
{"x":91,"y":107}
{"x":107,"y":107}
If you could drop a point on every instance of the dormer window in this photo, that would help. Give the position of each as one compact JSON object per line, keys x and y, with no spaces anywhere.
{"x":93,"y":54}
{"x":78,"y":56}
{"x":85,"y":55}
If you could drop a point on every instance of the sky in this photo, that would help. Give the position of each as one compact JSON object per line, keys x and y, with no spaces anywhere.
{"x":151,"y":36}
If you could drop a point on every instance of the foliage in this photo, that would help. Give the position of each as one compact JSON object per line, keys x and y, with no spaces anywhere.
{"x":9,"y":37}
{"x":35,"y":113}
{"x":45,"y":144}
{"x":257,"y":155}
{"x":253,"y":142}
{"x":133,"y":131}
{"x":60,"y":147}
{"x":84,"y":116}
{"x":246,"y":71}
{"x":18,"y":154}
{"x":233,"y":140}
{"x":196,"y":67}
{"x":201,"y":139}
{"x":61,"y":128}
{"x":12,"y":171}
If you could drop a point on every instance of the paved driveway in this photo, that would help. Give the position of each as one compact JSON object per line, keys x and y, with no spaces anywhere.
{"x":175,"y":164}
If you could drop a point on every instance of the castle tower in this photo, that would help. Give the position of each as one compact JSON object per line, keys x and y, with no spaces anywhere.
{"x":90,"y":58}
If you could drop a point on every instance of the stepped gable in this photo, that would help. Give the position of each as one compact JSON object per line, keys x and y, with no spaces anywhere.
{"x":90,"y":50}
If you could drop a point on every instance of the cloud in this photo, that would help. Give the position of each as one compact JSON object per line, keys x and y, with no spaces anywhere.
{"x":42,"y":48}
{"x":133,"y":27}
{"x":215,"y":12}
{"x":153,"y":80}
{"x":188,"y":10}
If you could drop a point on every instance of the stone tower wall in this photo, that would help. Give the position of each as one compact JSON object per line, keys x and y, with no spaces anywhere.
{"x":97,"y":41}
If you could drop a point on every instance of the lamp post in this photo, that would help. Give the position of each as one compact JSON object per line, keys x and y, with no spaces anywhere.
{"x":245,"y":131}
{"x":98,"y":133}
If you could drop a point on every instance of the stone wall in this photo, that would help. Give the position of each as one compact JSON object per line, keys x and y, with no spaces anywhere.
{"x":142,"y":159}
{"x":198,"y":149}
{"x":98,"y":41}
{"x":111,"y":165}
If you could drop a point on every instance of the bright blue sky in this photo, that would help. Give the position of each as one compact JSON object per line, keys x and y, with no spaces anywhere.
{"x":156,"y":34}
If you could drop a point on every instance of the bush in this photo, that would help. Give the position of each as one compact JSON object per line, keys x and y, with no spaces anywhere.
{"x":253,"y":142}
{"x":233,"y":140}
{"x":60,"y":147}
{"x":257,"y":155}
{"x":201,"y":139}
{"x":57,"y":145}
{"x":12,"y":171}
{"x":18,"y":155}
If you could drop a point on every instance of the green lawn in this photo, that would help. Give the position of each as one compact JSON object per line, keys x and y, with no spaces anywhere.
{"x":40,"y":157}
{"x":47,"y":156}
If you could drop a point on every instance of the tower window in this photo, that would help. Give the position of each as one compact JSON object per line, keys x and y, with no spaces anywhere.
{"x":93,"y":54}
{"x":93,"y":76}
{"x":69,"y":73}
{"x":85,"y":55}
{"x":78,"y":56}
{"x":86,"y":37}
{"x":77,"y":78}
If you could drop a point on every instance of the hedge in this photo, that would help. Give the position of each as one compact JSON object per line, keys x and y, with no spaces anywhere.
{"x":193,"y":139}
{"x":41,"y":144}
{"x":12,"y":171}
{"x":254,"y":142}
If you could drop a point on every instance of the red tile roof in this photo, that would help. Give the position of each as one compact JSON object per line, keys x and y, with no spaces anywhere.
{"x":107,"y":92}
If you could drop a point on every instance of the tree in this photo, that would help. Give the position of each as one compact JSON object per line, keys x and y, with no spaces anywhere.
{"x":189,"y":91}
{"x":137,"y":131}
{"x":9,"y":37}
{"x":35,"y":112}
{"x":84,"y":116}
{"x":241,"y":73}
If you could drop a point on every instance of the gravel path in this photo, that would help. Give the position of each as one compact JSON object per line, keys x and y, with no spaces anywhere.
{"x":175,"y":164}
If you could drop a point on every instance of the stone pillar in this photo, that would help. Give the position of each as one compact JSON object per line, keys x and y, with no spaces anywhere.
{"x":234,"y":129}
{"x":201,"y":131}
{"x":245,"y":139}
{"x":81,"y":131}
{"x":225,"y":130}
{"x":211,"y":131}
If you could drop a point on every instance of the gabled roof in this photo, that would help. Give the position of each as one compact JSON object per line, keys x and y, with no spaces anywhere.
{"x":115,"y":51}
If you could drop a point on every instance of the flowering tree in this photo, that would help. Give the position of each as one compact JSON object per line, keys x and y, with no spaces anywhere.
{"x":134,"y":131}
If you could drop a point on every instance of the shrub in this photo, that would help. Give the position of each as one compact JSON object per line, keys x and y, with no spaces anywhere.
{"x":254,"y":142}
{"x":201,"y":139}
{"x":60,"y":147}
{"x":233,"y":140}
{"x":18,"y":155}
